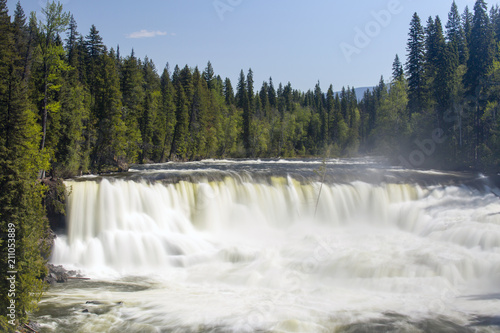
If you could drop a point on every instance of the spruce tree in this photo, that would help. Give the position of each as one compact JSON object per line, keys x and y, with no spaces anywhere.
{"x":435,"y":51}
{"x":71,"y":41}
{"x":166,"y":120}
{"x":482,"y":53}
{"x":208,"y":76}
{"x":23,"y":43}
{"x":455,"y":34}
{"x":228,"y":92}
{"x":50,"y":52}
{"x":264,"y":100}
{"x":150,"y":109}
{"x":242,"y":103}
{"x":467,"y":18}
{"x":179,"y":146}
{"x":397,"y":69}
{"x":482,"y":47}
{"x":271,"y":94}
{"x":415,"y":64}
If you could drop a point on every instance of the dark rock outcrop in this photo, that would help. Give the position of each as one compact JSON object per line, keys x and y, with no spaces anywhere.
{"x":57,"y":274}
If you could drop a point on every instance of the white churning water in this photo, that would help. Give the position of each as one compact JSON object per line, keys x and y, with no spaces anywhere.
{"x":233,"y":255}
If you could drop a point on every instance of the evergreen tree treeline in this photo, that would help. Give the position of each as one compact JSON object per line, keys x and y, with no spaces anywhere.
{"x":100,"y":111}
{"x":441,"y":111}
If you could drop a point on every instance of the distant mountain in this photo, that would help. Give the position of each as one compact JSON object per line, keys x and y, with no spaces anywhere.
{"x":360,"y":92}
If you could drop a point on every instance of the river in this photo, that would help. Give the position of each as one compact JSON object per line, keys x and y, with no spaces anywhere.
{"x":341,"y":245}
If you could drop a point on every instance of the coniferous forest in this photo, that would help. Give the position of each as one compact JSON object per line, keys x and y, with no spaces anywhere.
{"x":70,"y":105}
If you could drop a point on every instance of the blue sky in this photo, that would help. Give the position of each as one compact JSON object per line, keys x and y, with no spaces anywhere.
{"x":292,"y":41}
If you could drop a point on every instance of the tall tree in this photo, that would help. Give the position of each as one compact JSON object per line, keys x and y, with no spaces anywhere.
{"x":23,"y":42}
{"x":397,"y":69}
{"x":72,"y":40}
{"x":435,"y":52}
{"x":228,"y":92}
{"x":208,"y":76}
{"x":179,"y":146}
{"x":467,"y":18}
{"x":116,"y":144}
{"x":242,"y":103}
{"x":415,"y":64}
{"x":150,"y":109}
{"x":271,"y":94}
{"x":482,"y":53}
{"x":482,"y":47}
{"x":51,"y":53}
{"x":455,"y":34}
{"x":166,"y":120}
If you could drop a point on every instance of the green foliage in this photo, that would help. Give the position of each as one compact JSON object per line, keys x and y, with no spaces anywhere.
{"x":21,"y":195}
{"x":415,"y":64}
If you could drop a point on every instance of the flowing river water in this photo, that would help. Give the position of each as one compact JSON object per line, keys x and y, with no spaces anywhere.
{"x":278,"y":246}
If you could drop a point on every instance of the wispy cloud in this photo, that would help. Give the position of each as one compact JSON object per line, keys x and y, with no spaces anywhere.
{"x":147,"y":34}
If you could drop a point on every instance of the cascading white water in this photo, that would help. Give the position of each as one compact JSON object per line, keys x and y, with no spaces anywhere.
{"x":243,"y":255}
{"x":134,"y":225}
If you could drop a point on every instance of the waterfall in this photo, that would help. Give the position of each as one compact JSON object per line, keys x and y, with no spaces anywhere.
{"x":229,"y":246}
{"x":135,"y":227}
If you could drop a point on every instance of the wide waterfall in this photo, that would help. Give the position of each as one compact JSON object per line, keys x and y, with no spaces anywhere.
{"x":272,"y":246}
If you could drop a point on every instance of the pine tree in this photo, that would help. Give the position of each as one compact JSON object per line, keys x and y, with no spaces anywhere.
{"x":250,"y":91}
{"x":198,"y":123}
{"x":228,"y":92}
{"x":330,"y":109}
{"x":150,"y":109}
{"x":271,"y":94}
{"x":208,"y":76}
{"x":242,"y":103}
{"x":434,"y":87}
{"x":72,"y":153}
{"x":119,"y":139}
{"x":21,"y":209}
{"x":131,"y":84}
{"x":71,"y":41}
{"x":51,"y":53}
{"x":415,"y":64}
{"x":166,"y":120}
{"x":482,"y":47}
{"x":467,"y":18}
{"x":482,"y":52}
{"x":23,"y":42}
{"x":455,"y":34}
{"x":264,"y":101}
{"x":495,"y":21}
{"x":179,"y":146}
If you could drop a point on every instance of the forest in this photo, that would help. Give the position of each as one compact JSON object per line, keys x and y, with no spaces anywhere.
{"x":100,"y":111}
{"x":69,"y":105}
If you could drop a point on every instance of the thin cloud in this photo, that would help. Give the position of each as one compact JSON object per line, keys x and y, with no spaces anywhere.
{"x":146,"y":34}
